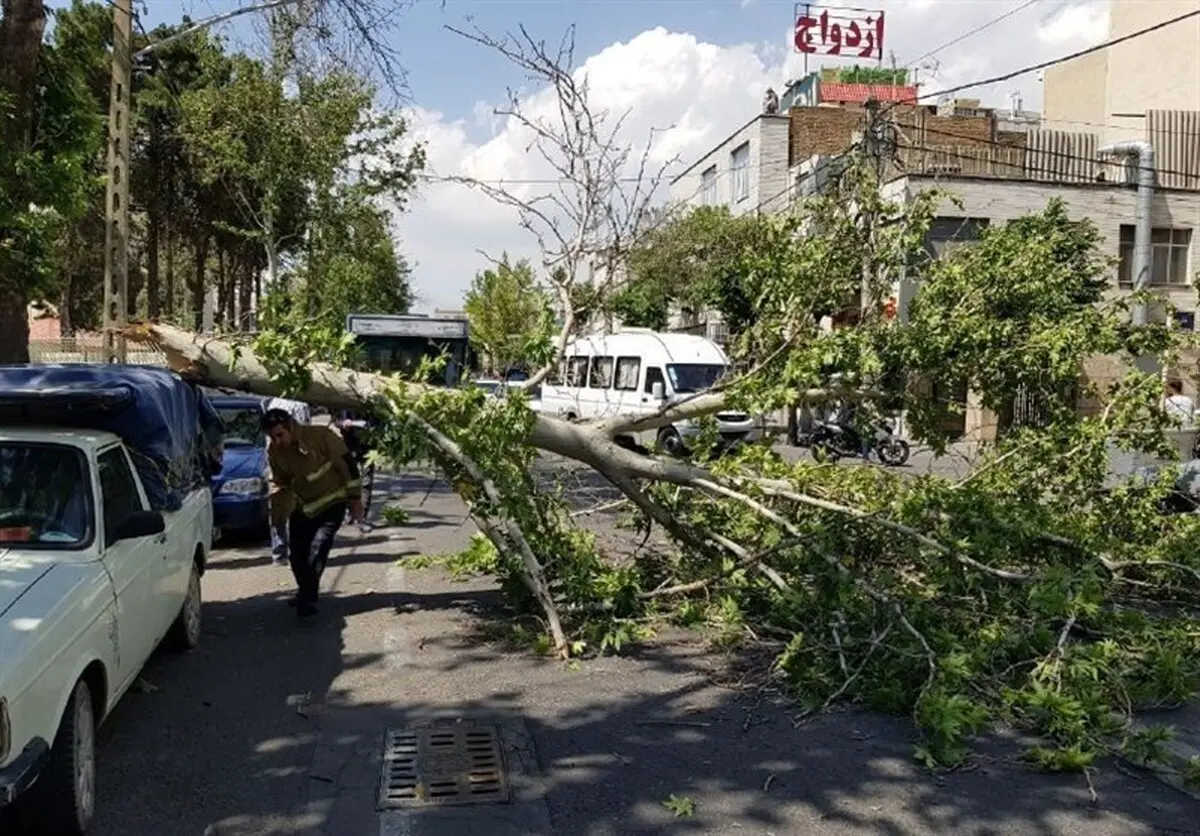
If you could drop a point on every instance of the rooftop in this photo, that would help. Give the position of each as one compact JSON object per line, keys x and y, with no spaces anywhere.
{"x":842,"y":93}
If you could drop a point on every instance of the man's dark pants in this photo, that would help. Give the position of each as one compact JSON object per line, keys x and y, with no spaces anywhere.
{"x":309,"y":542}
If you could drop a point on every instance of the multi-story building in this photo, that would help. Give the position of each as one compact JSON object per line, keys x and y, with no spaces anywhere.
{"x":1111,"y":92}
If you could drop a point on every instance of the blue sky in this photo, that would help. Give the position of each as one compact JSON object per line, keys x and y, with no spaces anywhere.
{"x":697,"y":68}
{"x":450,"y":74}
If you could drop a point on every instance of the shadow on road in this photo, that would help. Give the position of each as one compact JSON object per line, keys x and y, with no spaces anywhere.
{"x":271,"y":729}
{"x":235,"y":733}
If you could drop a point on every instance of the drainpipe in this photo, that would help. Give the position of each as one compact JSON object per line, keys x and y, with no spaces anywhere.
{"x":1142,"y":153}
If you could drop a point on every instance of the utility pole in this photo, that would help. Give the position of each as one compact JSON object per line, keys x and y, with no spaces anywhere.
{"x":120,"y":131}
{"x":116,"y":234}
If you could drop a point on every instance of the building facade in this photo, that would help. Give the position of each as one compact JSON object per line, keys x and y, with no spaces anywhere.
{"x":1110,"y":91}
{"x":748,"y":171}
{"x":973,"y":204}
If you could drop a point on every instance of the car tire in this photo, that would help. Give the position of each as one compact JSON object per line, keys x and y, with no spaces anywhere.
{"x":671,"y":442}
{"x":185,"y":632}
{"x":63,"y":801}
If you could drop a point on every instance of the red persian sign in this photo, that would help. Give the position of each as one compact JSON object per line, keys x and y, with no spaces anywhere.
{"x":851,"y":33}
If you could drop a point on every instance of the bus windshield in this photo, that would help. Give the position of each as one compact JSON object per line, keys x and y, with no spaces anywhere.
{"x":694,"y":377}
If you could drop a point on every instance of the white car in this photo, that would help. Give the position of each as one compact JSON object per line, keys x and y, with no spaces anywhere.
{"x":91,"y":581}
{"x":638,"y":372}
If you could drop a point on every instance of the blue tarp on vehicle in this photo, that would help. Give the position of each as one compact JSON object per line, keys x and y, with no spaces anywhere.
{"x":167,"y":423}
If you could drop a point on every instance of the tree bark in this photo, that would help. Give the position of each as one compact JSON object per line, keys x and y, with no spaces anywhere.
{"x":168,"y":296}
{"x":245,"y":293}
{"x":21,"y":29}
{"x":153,"y":220}
{"x":200,"y":260}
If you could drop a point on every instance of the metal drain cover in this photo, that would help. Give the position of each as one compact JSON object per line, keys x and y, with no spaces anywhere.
{"x":443,"y":765}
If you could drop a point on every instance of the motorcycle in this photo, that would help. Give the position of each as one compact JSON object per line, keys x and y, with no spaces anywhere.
{"x":831,"y":441}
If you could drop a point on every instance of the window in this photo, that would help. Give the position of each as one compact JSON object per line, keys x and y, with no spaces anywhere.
{"x":694,"y":377}
{"x":708,"y":186}
{"x":577,"y":371}
{"x":948,"y":234}
{"x":44,"y":497}
{"x":602,"y":373}
{"x":243,"y":426}
{"x":654,"y":375}
{"x":118,"y":491}
{"x":628,"y":370}
{"x":1168,"y":256}
{"x":739,"y":167}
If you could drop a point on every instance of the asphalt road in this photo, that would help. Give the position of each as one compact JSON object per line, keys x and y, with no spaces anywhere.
{"x":271,"y":729}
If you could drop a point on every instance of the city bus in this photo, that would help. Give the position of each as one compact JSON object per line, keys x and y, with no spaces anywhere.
{"x":398,"y":343}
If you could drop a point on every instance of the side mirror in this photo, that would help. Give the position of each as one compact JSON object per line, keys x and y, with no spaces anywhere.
{"x":138,"y":524}
{"x":657,"y":392}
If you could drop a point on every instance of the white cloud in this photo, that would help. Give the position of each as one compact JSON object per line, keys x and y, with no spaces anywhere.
{"x":703,"y":91}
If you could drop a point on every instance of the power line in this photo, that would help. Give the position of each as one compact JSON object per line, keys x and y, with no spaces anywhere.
{"x":1071,"y":57}
{"x":974,"y":31}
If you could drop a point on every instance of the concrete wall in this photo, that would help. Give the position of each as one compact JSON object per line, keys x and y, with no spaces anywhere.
{"x":1108,"y":206}
{"x":1157,"y":71}
{"x":1073,"y":97}
{"x":768,"y":174}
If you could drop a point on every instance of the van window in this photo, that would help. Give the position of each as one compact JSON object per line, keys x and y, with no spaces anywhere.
{"x":602,"y":373}
{"x":628,"y":370}
{"x":654,"y":375}
{"x":576,"y":371}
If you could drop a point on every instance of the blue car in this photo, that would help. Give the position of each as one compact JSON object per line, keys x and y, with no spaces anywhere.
{"x":240,"y":489}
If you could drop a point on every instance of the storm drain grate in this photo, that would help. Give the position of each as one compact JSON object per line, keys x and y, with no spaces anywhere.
{"x":461,"y":764}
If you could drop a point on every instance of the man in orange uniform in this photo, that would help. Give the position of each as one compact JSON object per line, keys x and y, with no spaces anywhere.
{"x":314,"y":480}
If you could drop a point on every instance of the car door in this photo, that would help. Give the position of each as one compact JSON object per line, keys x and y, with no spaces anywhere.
{"x":136,"y":566}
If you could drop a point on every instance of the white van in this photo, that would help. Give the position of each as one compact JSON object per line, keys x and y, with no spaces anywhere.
{"x":636,"y":372}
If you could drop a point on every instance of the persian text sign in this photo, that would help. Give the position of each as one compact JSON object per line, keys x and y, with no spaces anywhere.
{"x":851,"y":33}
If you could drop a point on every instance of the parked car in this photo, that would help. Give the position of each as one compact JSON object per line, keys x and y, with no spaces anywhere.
{"x":105,"y":530}
{"x":240,"y":489}
{"x":501,"y":388}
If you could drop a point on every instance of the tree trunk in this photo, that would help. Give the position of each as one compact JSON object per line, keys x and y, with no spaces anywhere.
{"x":222,"y":288}
{"x":153,"y":306}
{"x":21,"y":29}
{"x":169,"y":290}
{"x":200,"y":253}
{"x":153,"y":219}
{"x":245,"y":293}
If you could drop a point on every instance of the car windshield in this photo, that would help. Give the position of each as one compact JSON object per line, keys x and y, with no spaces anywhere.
{"x":491,"y":387}
{"x":43,"y":496}
{"x":243,"y":426}
{"x":694,"y":377}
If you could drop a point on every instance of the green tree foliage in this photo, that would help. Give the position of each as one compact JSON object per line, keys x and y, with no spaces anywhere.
{"x":224,"y":147}
{"x":510,"y":316}
{"x":359,"y":270}
{"x":691,"y":262}
{"x":45,"y":174}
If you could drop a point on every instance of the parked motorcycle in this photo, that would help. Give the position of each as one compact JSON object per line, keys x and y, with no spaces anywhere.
{"x":831,"y":441}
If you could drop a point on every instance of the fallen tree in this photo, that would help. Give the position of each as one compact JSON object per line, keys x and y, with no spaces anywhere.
{"x":1035,"y":591}
{"x":1028,"y":591}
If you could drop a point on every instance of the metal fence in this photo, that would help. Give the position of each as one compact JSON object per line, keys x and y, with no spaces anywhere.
{"x":88,"y":350}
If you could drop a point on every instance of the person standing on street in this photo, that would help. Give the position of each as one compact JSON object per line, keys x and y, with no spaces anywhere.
{"x":314,"y":480}
{"x":301,"y":414}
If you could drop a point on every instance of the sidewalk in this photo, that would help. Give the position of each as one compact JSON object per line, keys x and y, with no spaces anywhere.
{"x":598,"y":747}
